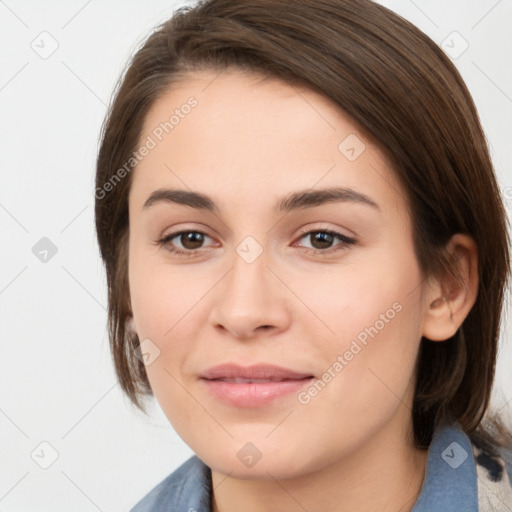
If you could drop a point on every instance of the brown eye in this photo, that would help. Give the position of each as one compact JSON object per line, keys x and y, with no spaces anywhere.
{"x":191,"y":239}
{"x":322,"y":241}
{"x":186,"y":242}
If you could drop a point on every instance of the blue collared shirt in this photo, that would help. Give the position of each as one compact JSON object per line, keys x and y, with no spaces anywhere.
{"x":450,"y":483}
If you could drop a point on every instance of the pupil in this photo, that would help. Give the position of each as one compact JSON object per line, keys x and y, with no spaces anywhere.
{"x":195,"y":239}
{"x":325,"y":240}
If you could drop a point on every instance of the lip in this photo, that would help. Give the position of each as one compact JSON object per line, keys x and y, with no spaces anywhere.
{"x":231,"y":383}
{"x":255,"y":371}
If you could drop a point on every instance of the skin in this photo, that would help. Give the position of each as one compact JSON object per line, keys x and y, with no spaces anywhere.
{"x":246,"y":144}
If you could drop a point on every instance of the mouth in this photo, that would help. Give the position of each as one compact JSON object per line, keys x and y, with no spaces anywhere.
{"x":240,"y":380}
{"x":255,"y":372}
{"x":253,"y":386}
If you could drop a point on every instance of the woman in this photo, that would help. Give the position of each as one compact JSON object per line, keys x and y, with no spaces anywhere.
{"x":306,"y":256}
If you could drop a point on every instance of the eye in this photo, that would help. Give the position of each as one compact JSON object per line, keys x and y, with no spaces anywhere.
{"x":322,"y":240}
{"x":191,"y":242}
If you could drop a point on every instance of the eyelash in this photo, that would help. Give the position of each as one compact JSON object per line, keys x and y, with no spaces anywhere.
{"x":346,"y":241}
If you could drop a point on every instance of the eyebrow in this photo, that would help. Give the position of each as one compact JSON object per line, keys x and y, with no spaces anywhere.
{"x":294,"y":201}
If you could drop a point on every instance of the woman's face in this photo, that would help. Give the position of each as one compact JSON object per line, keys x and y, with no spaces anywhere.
{"x":263,"y":280}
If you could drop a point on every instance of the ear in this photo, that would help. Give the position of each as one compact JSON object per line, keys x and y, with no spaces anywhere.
{"x":448,"y":302}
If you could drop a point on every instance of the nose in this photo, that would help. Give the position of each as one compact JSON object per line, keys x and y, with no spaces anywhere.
{"x":250,"y":300}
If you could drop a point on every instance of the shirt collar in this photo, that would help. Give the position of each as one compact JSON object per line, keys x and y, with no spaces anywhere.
{"x":450,"y":482}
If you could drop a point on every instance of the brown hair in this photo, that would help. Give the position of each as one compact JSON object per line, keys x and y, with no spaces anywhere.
{"x":398,"y":85}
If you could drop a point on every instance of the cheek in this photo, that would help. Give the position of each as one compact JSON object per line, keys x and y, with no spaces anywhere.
{"x":162,"y":295}
{"x":160,"y":302}
{"x":361,"y":301}
{"x":372,"y":321}
{"x":367,"y":375}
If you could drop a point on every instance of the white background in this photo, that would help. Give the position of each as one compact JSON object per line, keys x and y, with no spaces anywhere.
{"x":56,"y":378}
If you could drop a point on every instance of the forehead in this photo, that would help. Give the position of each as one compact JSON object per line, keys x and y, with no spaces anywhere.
{"x":245,"y":138}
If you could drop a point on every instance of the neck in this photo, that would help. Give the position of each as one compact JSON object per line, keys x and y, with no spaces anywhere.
{"x":386,"y":473}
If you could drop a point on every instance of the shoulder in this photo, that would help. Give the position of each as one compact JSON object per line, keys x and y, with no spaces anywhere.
{"x":187,"y":488}
{"x":494,"y":478}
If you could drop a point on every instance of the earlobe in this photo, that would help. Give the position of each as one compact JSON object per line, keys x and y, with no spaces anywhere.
{"x":130,"y":325}
{"x":449,"y":300}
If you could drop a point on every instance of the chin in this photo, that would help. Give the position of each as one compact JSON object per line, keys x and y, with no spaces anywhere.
{"x":248,"y":463}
